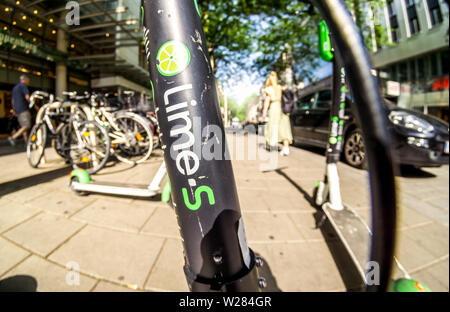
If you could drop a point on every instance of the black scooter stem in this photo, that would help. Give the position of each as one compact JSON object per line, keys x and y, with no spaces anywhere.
{"x":204,"y":193}
{"x":337,"y":112}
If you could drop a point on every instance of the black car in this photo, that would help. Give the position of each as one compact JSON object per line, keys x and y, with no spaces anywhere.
{"x":419,"y":140}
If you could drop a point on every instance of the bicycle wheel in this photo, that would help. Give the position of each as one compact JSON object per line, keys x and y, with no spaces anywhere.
{"x":88,"y":146}
{"x":36,"y":144}
{"x":61,"y":141}
{"x":134,"y":140}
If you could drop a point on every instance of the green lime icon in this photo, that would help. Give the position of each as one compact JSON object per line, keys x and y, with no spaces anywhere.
{"x":173,"y":57}
{"x":333,"y":140}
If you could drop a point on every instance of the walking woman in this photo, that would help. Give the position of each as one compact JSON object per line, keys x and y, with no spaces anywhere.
{"x":278,"y":129}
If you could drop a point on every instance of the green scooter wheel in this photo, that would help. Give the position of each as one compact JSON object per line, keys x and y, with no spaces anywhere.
{"x":83,"y":176}
{"x":80,"y":176}
{"x":165,"y":195}
{"x":408,"y":285}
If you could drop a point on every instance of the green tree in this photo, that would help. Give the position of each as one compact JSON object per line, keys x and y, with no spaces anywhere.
{"x":252,"y":35}
{"x":234,"y":31}
{"x":239,"y":110}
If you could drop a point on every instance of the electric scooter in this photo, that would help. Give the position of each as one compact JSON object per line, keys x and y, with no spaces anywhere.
{"x":82,"y":184}
{"x":352,"y":230}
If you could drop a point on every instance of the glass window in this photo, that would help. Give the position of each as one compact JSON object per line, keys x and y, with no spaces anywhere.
{"x":435,"y":12}
{"x":444,"y":62}
{"x":403,"y":72}
{"x":421,"y":68}
{"x":324,"y":99}
{"x":393,"y":22}
{"x":413,"y":20}
{"x":306,"y":102}
{"x":393,"y":73}
{"x":434,"y":65}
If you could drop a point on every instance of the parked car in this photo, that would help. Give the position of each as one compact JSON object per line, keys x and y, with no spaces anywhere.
{"x":419,"y":140}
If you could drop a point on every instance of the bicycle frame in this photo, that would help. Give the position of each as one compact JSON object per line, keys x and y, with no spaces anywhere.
{"x":203,"y":191}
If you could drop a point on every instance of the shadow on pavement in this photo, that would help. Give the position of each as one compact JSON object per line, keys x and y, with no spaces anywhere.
{"x":6,"y":150}
{"x":298,"y":187}
{"x":413,"y":172}
{"x":347,"y":269}
{"x":312,"y":149}
{"x":18,"y":283}
{"x":23,"y":183}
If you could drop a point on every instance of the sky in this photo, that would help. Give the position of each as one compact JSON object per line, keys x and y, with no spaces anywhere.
{"x":251,"y":84}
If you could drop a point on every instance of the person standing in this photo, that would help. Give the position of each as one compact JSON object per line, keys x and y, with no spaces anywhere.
{"x":278,"y":128}
{"x":20,"y":100}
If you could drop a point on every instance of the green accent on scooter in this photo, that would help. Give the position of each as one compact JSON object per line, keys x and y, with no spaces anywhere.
{"x":198,"y":199}
{"x":165,"y":195}
{"x":325,"y":49}
{"x":83,"y":176}
{"x":408,"y":285}
{"x":197,"y":8}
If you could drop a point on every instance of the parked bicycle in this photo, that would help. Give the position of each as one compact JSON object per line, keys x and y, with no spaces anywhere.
{"x":131,"y":136}
{"x":81,"y":141}
{"x":144,"y":110}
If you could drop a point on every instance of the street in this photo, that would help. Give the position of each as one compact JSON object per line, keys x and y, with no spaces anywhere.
{"x":48,"y":233}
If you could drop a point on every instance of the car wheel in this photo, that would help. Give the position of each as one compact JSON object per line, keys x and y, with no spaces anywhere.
{"x":354,"y":150}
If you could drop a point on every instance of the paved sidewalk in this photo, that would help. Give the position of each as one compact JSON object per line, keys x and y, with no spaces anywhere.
{"x":124,"y":244}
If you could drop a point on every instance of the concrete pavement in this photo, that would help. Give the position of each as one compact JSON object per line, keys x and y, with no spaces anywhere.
{"x":122,"y":244}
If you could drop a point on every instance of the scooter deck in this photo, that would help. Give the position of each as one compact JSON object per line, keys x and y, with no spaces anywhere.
{"x":354,"y":234}
{"x":139,"y":190}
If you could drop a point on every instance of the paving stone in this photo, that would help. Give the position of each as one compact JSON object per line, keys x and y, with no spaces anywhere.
{"x":163,"y":223}
{"x":411,"y":253}
{"x":13,"y":213}
{"x":116,"y":256}
{"x":270,"y":227}
{"x":103,"y":286}
{"x":306,"y":223}
{"x":294,"y":202}
{"x":168,"y":273}
{"x":288,"y":263}
{"x":252,"y":200}
{"x":439,"y":272}
{"x":50,"y":277}
{"x":63,"y":202}
{"x":409,"y":217}
{"x":434,"y":213}
{"x":115,"y":214}
{"x":43,"y":233}
{"x":276,"y":210}
{"x":27,"y":195}
{"x":435,"y":277}
{"x":431,"y":239}
{"x":250,"y":183}
{"x":11,"y":255}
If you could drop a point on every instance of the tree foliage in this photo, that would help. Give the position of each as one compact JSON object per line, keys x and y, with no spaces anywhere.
{"x":237,"y":30}
{"x":252,"y":35}
{"x":240,"y":111}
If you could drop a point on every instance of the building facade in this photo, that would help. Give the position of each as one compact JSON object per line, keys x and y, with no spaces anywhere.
{"x":95,"y":45}
{"x":413,"y":63}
